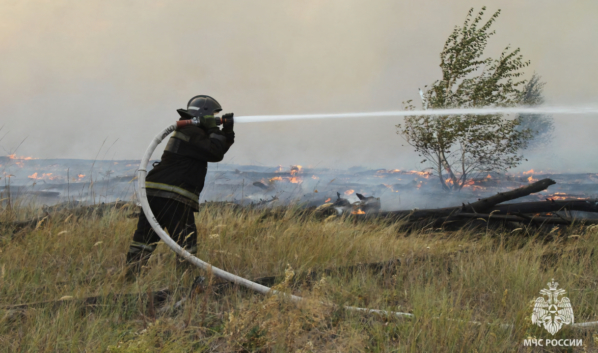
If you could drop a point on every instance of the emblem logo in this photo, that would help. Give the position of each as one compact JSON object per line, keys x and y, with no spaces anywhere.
{"x":552,"y":313}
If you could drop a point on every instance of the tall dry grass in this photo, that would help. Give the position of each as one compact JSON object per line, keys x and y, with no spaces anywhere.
{"x":445,"y":279}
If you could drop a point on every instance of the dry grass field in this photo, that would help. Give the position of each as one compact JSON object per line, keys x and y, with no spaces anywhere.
{"x":445,"y":279}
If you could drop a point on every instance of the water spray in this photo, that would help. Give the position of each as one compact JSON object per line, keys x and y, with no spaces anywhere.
{"x":142,"y":195}
{"x":427,"y":112}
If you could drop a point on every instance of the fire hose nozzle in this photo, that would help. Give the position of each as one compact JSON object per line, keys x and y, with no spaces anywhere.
{"x":195,"y":121}
{"x":223,"y":120}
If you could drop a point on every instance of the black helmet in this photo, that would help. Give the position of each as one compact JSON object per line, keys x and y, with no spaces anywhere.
{"x":203,"y":105}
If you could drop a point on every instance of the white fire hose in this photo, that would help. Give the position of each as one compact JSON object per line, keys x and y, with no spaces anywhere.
{"x":141,"y":194}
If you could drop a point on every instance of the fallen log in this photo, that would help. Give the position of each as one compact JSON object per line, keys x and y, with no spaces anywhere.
{"x":480,"y":206}
{"x":515,"y":218}
{"x":486,"y":204}
{"x":548,"y":206}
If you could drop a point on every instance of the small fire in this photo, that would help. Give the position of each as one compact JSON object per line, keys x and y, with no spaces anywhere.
{"x":80,"y":176}
{"x":390,"y":187}
{"x":531,"y":171}
{"x":421,"y":174}
{"x":327,"y":200}
{"x":531,"y":179}
{"x":564,"y":196}
{"x":358,"y":211}
{"x":488,"y":176}
{"x":292,"y":179}
{"x":349,"y":192}
{"x":14,"y":156}
{"x":47,"y":176}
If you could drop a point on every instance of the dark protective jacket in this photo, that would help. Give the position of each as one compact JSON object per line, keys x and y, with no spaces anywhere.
{"x":181,"y":173}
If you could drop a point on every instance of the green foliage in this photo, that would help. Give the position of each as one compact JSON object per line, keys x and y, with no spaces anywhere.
{"x":462,"y":146}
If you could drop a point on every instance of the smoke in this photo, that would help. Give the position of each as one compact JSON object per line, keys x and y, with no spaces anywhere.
{"x":77,"y":73}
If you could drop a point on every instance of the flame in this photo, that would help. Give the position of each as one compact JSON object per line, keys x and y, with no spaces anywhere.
{"x":488,"y":176}
{"x":531,"y":179}
{"x":293,"y":179}
{"x":390,"y":187}
{"x":564,"y":196}
{"x":418,"y":173}
{"x":421,"y":174}
{"x":14,"y":156}
{"x":531,"y":171}
{"x":349,"y":192}
{"x":359,"y":211}
{"x":47,"y":176}
{"x":327,"y":200}
{"x":279,"y":170}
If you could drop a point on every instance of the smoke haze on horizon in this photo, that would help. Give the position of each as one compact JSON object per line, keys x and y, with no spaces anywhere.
{"x":77,"y":73}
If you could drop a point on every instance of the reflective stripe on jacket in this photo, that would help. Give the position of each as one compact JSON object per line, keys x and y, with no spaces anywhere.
{"x":173,"y":192}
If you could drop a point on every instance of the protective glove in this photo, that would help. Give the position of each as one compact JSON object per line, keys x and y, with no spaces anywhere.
{"x":229,"y":123}
{"x":208,"y":122}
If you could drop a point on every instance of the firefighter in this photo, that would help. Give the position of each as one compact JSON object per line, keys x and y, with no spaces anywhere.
{"x":174,"y":184}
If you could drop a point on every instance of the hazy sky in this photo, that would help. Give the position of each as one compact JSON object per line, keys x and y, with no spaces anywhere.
{"x":76,"y":73}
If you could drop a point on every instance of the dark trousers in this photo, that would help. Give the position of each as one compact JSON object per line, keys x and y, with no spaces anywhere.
{"x":178,"y":220}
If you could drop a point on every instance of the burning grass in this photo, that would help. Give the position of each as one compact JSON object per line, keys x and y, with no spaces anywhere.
{"x":442,"y":278}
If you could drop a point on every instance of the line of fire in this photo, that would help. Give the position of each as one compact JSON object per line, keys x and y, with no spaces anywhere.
{"x":356,"y":191}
